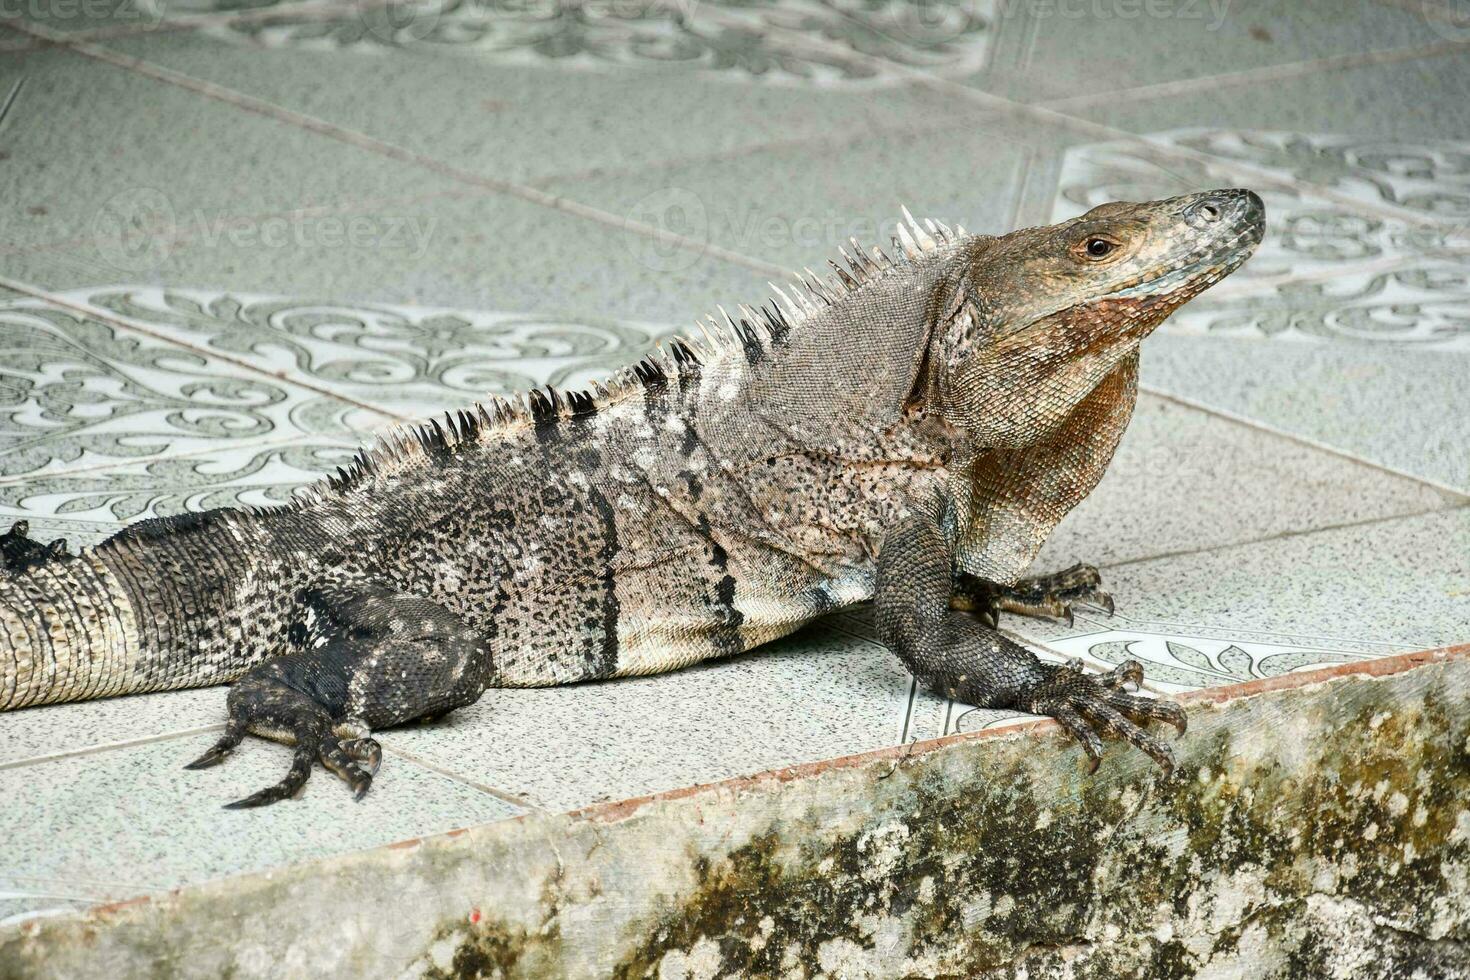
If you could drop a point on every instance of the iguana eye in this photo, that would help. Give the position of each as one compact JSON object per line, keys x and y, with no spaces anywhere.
{"x":1098,"y":247}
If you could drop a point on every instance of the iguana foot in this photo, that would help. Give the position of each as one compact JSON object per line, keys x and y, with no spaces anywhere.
{"x":19,"y":553}
{"x":367,"y":657}
{"x":268,"y":706}
{"x":1092,"y":707}
{"x":1043,"y":596}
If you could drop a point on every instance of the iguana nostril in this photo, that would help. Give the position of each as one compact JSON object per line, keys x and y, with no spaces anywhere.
{"x":1209,"y":212}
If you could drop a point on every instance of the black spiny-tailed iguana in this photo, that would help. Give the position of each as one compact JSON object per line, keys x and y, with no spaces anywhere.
{"x":909,"y":431}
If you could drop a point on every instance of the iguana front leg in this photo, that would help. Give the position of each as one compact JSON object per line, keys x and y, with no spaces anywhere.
{"x":956,"y":655}
{"x":1049,"y":596}
{"x":366,"y":657}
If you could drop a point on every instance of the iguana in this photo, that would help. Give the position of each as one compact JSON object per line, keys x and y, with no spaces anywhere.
{"x":908,"y":430}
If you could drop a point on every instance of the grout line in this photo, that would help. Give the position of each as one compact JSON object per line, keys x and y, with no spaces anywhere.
{"x":137,"y":326}
{"x":10,"y":99}
{"x":1292,"y":533}
{"x":127,"y":743}
{"x":383,"y":148}
{"x":499,"y":794}
{"x":1102,"y":131}
{"x":1252,"y":76}
{"x":1458,"y":494}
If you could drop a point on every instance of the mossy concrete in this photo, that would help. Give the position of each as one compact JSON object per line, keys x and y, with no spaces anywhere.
{"x":1317,"y":825}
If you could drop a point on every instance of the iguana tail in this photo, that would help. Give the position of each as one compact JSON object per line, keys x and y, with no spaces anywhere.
{"x":67,"y":633}
{"x":154,"y":608}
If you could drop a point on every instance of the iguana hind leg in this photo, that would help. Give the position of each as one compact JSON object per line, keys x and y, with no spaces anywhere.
{"x":959,"y":657}
{"x":368,"y":657}
{"x":20,"y":553}
{"x":1044,"y":596}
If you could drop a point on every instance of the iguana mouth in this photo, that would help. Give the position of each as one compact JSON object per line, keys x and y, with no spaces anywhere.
{"x":1243,"y":212}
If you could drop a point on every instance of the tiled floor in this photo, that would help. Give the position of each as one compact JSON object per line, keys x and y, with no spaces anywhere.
{"x":243,"y":236}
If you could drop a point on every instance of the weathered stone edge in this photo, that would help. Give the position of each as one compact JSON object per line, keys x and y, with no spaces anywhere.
{"x":1375,"y":667}
{"x":706,"y":859}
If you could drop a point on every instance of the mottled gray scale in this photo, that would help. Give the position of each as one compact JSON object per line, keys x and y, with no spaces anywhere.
{"x":891,"y":431}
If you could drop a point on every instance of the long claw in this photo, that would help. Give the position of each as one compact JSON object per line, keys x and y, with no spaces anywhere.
{"x":219,"y":751}
{"x":1150,"y":709}
{"x":1113,"y":724}
{"x":286,"y":788}
{"x":334,"y":756}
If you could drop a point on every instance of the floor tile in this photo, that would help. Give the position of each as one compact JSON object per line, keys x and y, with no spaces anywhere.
{"x":127,"y":191}
{"x":1053,"y":50}
{"x":1402,"y":583}
{"x":411,"y":361}
{"x":81,"y":391}
{"x":528,"y":119}
{"x":132,"y":820}
{"x":819,"y":694}
{"x":473,"y":251}
{"x":57,"y":729}
{"x":1186,"y":480}
{"x":1403,"y":409}
{"x":793,"y":206}
{"x":260,"y":473}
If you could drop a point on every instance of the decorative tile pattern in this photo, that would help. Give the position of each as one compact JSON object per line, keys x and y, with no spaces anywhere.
{"x":952,"y":35}
{"x":77,"y":392}
{"x":408,"y":360}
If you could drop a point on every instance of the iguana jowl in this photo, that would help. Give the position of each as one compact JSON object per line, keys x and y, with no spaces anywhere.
{"x":909,"y":431}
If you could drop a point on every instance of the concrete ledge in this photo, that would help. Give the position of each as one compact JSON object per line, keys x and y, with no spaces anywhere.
{"x":1317,"y":825}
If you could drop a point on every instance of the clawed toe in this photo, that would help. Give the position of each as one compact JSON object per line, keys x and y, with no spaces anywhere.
{"x":295,"y":779}
{"x":1044,"y":596}
{"x":365,"y":751}
{"x":1094,"y":708}
{"x":263,"y":704}
{"x":1127,"y":672}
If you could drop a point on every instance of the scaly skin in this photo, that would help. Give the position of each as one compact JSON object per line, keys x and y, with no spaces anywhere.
{"x":909,"y":431}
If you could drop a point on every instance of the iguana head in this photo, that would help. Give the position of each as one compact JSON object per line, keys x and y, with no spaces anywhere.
{"x":1035,"y":319}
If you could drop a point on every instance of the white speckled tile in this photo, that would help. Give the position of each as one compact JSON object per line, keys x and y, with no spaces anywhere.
{"x":1188,"y":480}
{"x":129,"y":821}
{"x":57,"y":729}
{"x":1316,"y":598}
{"x":818,"y":694}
